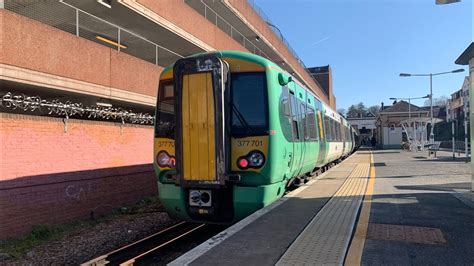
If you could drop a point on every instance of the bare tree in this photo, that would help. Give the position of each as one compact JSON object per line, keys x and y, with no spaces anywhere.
{"x":441,"y":101}
{"x":342,"y":111}
{"x":374,"y":109}
{"x":362,"y":109}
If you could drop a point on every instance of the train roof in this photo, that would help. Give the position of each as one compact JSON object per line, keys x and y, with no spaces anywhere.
{"x":236,"y":54}
{"x":256,"y":59}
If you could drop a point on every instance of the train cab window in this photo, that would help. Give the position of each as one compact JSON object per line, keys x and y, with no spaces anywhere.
{"x":165,"y":120}
{"x":249,"y":104}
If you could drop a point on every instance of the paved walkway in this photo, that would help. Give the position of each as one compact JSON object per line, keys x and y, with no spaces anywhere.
{"x":270,"y":236}
{"x":418,"y":215}
{"x":416,"y":211}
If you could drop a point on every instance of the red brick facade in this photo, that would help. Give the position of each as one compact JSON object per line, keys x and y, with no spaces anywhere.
{"x":43,"y":180}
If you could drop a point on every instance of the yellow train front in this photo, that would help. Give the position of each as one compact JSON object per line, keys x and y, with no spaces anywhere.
{"x":232,"y":131}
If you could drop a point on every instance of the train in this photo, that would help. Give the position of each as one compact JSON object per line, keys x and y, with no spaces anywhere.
{"x":233,"y":131}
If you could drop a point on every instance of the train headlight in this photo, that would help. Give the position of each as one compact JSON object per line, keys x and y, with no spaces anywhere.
{"x":242,"y":163}
{"x":256,"y":159}
{"x":163,"y":159}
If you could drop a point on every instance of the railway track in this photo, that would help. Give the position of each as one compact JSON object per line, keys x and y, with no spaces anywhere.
{"x":159,"y":248}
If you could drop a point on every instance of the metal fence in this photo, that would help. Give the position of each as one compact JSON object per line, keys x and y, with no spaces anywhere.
{"x":67,"y":109}
{"x":276,"y":31}
{"x":225,"y":26}
{"x":76,"y":21}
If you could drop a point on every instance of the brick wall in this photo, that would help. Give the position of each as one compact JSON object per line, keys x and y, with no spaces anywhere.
{"x":49,"y":176}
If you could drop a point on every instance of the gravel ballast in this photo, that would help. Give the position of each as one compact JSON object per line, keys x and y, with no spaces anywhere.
{"x":84,"y":244}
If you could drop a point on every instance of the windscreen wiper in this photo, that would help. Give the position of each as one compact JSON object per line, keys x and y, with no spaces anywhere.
{"x":243,"y":122}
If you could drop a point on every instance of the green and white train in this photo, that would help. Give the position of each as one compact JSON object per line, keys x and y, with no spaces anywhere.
{"x":233,"y":131}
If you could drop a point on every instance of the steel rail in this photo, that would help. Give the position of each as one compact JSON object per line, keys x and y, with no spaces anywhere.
{"x":151,"y":251}
{"x":117,"y":256}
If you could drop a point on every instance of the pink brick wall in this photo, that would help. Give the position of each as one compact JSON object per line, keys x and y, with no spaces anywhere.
{"x":49,"y":177}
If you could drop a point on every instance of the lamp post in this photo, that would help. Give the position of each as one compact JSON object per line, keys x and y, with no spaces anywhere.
{"x":431,"y":91}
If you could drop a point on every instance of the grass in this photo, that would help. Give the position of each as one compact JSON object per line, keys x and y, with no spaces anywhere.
{"x":42,"y":234}
{"x":39,"y":234}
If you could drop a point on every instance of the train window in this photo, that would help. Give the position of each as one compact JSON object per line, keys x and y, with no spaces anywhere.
{"x":285,"y":114}
{"x":337,"y":125}
{"x":311,"y":124}
{"x":285,"y":104}
{"x":303,"y":120}
{"x":249,"y":104}
{"x":294,"y":116}
{"x":328,"y":128}
{"x":165,"y":120}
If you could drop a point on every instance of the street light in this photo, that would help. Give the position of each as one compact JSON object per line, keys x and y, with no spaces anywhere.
{"x":431,"y":91}
{"x":409,"y":102}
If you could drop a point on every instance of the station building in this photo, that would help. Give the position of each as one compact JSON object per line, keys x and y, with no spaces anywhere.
{"x":389,"y":133}
{"x":364,"y":126}
{"x":78,"y":81}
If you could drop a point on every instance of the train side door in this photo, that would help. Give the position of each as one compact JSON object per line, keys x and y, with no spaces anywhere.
{"x":304,"y":138}
{"x":296,"y":131}
{"x":343,"y":135}
{"x":322,"y":134}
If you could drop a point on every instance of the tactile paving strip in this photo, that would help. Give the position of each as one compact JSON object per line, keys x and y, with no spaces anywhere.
{"x":413,"y":234}
{"x":326,"y":238}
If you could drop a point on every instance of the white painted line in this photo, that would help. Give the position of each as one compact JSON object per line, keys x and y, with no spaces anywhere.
{"x":198,"y":251}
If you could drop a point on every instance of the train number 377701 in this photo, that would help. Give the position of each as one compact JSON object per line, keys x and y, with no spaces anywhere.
{"x":249,"y":143}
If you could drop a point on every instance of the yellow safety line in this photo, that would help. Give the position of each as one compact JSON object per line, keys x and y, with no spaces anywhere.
{"x":356,"y":248}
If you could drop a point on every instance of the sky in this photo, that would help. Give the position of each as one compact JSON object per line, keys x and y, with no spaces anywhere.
{"x":368,"y":43}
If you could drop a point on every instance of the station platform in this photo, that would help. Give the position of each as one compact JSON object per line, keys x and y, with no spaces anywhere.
{"x":376,"y":207}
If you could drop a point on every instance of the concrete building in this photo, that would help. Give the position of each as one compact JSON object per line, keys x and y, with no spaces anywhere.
{"x":467,"y":58}
{"x":458,"y":105}
{"x":94,"y":67}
